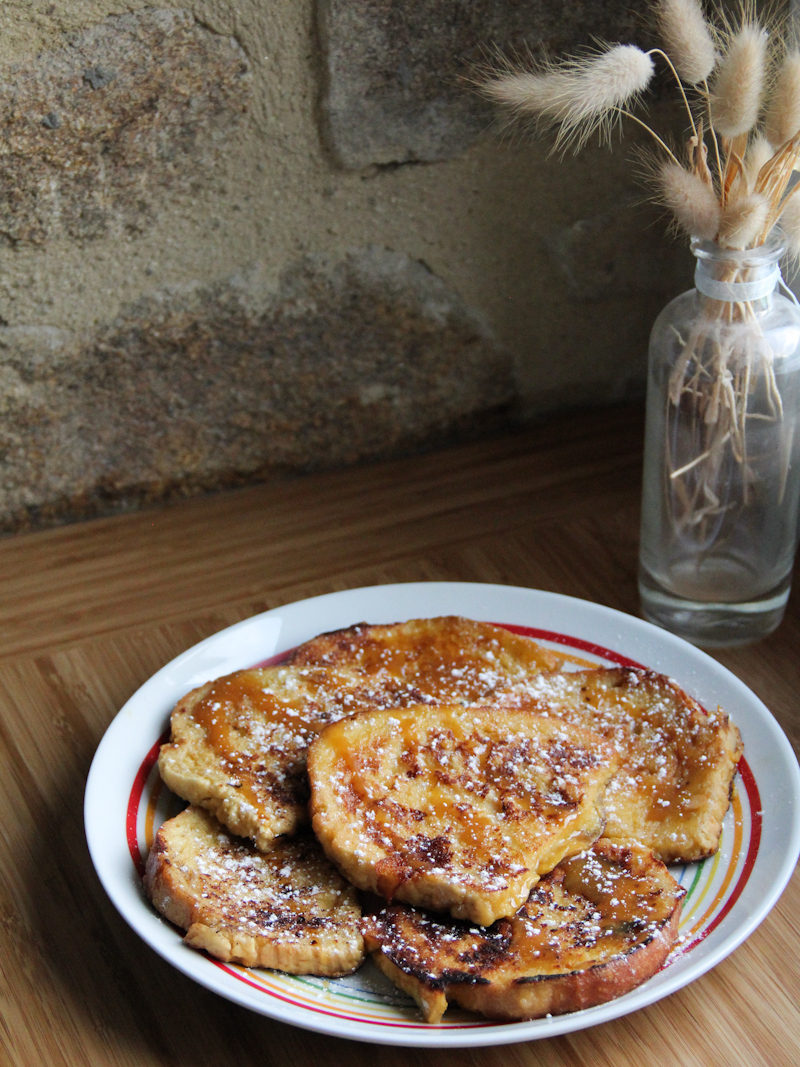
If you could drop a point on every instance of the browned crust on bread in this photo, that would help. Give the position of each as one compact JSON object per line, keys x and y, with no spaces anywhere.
{"x":454,"y":808}
{"x":678,"y":761}
{"x":289,"y":909}
{"x":565,"y":950}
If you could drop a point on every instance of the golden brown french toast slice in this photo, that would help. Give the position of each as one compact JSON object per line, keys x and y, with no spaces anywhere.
{"x":678,"y":761}
{"x":593,"y":929}
{"x":456,"y":808}
{"x":445,"y":660}
{"x":288,"y":909}
{"x":238,"y":745}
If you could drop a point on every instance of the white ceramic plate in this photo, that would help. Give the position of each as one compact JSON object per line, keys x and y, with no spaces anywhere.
{"x":728,"y":895}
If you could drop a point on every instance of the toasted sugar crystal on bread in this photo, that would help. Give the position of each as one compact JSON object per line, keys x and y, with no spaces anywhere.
{"x":678,"y":761}
{"x":454,"y":808}
{"x":288,"y":909}
{"x":238,"y":745}
{"x":597,"y":926}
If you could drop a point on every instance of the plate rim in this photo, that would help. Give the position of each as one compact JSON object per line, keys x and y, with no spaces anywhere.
{"x":498,"y":1033}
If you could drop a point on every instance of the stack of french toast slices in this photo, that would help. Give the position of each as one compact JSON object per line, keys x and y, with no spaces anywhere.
{"x":490,"y":825}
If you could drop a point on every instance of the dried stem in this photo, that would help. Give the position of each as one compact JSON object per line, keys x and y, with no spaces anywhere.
{"x":713,"y":132}
{"x":662,"y":144}
{"x":660,"y":52}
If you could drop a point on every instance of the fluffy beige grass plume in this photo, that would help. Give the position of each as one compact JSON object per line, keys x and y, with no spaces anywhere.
{"x":739,"y":83}
{"x":790,"y":226}
{"x":782,"y":120}
{"x":743,"y":221}
{"x":759,"y":153}
{"x":581,"y":95}
{"x":687,"y":39}
{"x":692,"y":202}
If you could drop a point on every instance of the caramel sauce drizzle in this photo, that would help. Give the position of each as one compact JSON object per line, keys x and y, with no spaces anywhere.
{"x":617,"y":892}
{"x":240,"y":696}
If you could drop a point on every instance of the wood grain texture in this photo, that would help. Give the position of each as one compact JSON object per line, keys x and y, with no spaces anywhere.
{"x":91,"y":611}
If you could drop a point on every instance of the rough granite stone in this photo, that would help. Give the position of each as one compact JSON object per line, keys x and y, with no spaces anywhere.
{"x":90,"y":134}
{"x":397,"y":74}
{"x":196,"y":388}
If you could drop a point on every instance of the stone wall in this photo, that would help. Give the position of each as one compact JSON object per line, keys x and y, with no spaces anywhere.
{"x":240,"y":239}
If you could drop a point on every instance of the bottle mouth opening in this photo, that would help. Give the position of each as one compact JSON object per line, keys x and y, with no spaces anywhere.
{"x":760,"y":256}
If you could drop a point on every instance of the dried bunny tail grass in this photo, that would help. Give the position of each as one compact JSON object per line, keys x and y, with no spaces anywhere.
{"x":743,"y":222}
{"x":782,"y":120}
{"x":790,"y":227}
{"x":580,"y":95}
{"x":687,"y":39}
{"x":739,"y":81}
{"x":693,"y":203}
{"x":759,"y":153}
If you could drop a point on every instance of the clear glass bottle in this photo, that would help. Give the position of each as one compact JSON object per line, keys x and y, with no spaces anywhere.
{"x":721,"y":486}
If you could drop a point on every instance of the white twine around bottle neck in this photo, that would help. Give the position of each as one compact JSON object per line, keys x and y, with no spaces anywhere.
{"x":738,"y":292}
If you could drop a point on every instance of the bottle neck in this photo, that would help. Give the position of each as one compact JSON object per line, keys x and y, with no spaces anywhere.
{"x":747,"y":285}
{"x":730,"y":276}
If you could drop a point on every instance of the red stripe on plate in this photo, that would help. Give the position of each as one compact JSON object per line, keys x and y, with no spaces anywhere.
{"x":272,"y":661}
{"x":573,"y":642}
{"x":132,"y":814}
{"x":756,"y":819}
{"x":342,"y":1014}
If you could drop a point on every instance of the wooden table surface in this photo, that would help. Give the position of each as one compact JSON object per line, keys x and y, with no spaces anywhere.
{"x":91,"y":611}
